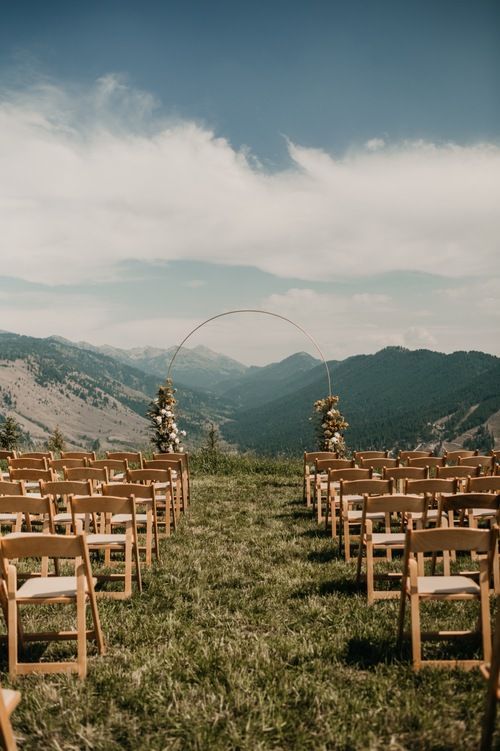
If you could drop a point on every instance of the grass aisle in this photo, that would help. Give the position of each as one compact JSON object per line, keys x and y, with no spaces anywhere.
{"x":250,"y":635}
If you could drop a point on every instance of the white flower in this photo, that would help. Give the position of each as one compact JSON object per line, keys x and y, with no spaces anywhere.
{"x":183,"y":432}
{"x":337,"y":434}
{"x":335,"y":440}
{"x":158,"y":420}
{"x":174,"y":424}
{"x":163,"y":412}
{"x":172,"y":436}
{"x":169,"y":413}
{"x":176,"y":440}
{"x":181,"y":448}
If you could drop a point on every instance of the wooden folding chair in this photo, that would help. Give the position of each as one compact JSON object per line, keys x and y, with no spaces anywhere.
{"x":404,"y":456}
{"x":9,"y":487}
{"x":433,"y":489}
{"x":164,"y":493}
{"x":9,"y":699}
{"x":416,"y":587}
{"x":134,"y":459}
{"x":78,"y":455}
{"x":430,"y":462}
{"x":178,"y":487}
{"x":59,"y":492}
{"x":37,"y":455}
{"x":403,"y":506}
{"x":59,"y":465}
{"x":98,"y":476}
{"x":485,"y":463}
{"x":116,"y":468}
{"x":452,"y":457}
{"x":400,"y":474}
{"x":111,"y":542}
{"x":352,"y":494}
{"x":28,"y":462}
{"x":31,"y":478}
{"x":333,"y":492}
{"x":460,"y":473}
{"x":483,"y":484}
{"x":310,"y":458}
{"x":321,"y":472}
{"x":359,"y":455}
{"x":491,"y":671}
{"x":29,"y":509}
{"x":54,"y":590}
{"x":183,"y":457}
{"x":145,"y":496}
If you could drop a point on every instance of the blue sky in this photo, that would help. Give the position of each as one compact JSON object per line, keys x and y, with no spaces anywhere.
{"x":335,"y":162}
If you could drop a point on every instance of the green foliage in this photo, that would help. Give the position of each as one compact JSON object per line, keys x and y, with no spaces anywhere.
{"x":482,"y":440}
{"x":56,"y":442}
{"x":10,"y":434}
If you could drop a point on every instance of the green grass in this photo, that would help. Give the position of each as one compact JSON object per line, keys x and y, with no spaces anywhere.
{"x":251,"y":635}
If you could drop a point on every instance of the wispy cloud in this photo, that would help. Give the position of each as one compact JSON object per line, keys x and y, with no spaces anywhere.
{"x":93,"y":177}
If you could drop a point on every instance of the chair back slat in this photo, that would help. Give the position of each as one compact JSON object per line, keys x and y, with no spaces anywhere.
{"x":126,"y":489}
{"x":431,"y":485}
{"x":485,"y":484}
{"x":426,"y":461}
{"x":323,"y":465}
{"x":460,"y":472}
{"x":366,"y":487}
{"x":12,"y":487}
{"x":396,"y":504}
{"x":351,"y":473}
{"x":456,"y":538}
{"x":39,"y":546}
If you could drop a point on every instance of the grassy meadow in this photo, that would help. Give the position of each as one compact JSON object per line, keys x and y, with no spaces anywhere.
{"x":250,"y":634}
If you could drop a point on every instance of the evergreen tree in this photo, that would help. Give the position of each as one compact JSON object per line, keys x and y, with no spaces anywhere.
{"x":10,"y":434}
{"x":161,"y":413}
{"x":482,"y":440}
{"x":56,"y":442}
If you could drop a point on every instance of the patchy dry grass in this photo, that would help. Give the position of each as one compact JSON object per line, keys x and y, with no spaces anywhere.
{"x":250,"y":635}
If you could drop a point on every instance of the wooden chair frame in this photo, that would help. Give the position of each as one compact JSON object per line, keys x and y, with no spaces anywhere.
{"x":417,"y":588}
{"x":78,"y":590}
{"x":352,"y":493}
{"x":145,"y":495}
{"x":321,"y":475}
{"x":162,"y":480}
{"x":127,"y":544}
{"x":179,"y":488}
{"x":9,"y":699}
{"x":309,"y":472}
{"x":402,"y":505}
{"x":491,"y":671}
{"x":333,"y":490}
{"x":183,"y":457}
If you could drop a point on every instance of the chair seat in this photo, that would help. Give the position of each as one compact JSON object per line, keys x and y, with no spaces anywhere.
{"x":65,"y":518}
{"x":483,"y":513}
{"x":388,"y":539}
{"x":48,"y":586}
{"x":355,"y":515}
{"x":98,"y":539}
{"x":8,"y":518}
{"x":11,"y":699}
{"x":446,"y":585}
{"x":124,"y":518}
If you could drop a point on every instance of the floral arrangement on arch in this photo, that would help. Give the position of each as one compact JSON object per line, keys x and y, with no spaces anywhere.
{"x":166,"y":435}
{"x":330,"y":429}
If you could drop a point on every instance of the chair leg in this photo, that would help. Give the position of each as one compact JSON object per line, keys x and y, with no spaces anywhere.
{"x":138,"y":575}
{"x":128,"y":568}
{"x":370,"y":579}
{"x":401,"y":619}
{"x":416,"y":637}
{"x":12,"y":636}
{"x":81,"y":622}
{"x":149,"y":536}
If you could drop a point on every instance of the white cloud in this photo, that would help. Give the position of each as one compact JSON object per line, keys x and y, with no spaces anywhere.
{"x":90,"y":178}
{"x":375,"y":144}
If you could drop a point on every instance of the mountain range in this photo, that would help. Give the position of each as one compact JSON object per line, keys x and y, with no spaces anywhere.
{"x":394,"y":398}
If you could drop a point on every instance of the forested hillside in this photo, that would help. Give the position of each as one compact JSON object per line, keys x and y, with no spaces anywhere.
{"x":396,"y":397}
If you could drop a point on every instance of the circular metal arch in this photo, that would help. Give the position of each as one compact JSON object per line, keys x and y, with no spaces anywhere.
{"x":263,"y":312}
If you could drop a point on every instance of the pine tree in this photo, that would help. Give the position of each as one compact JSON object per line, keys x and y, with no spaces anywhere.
{"x":10,"y":434}
{"x":331,"y":426}
{"x":56,"y":442}
{"x":161,"y":414}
